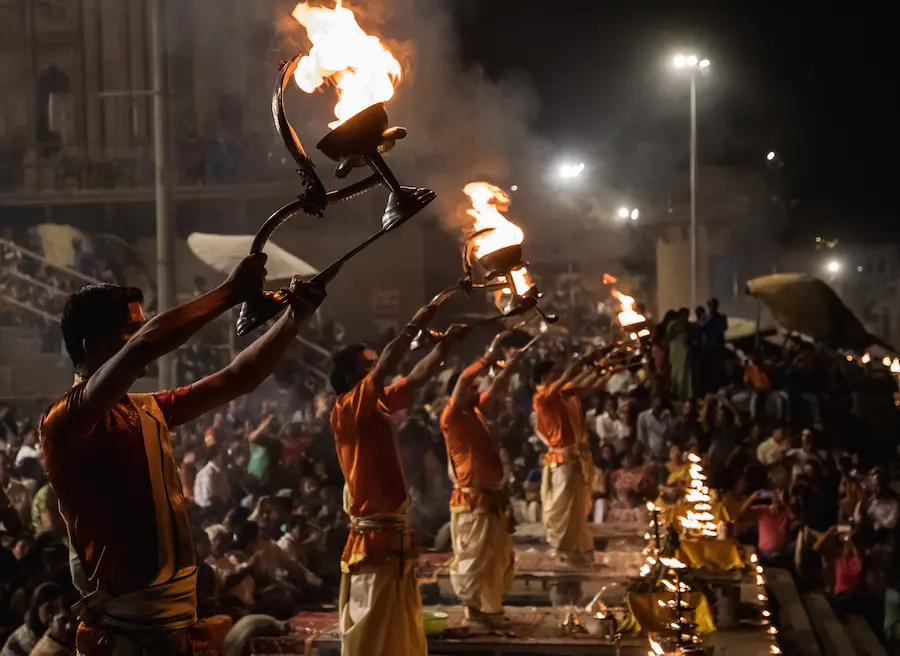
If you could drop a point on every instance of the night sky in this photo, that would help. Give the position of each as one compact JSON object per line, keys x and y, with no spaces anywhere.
{"x":819,"y":87}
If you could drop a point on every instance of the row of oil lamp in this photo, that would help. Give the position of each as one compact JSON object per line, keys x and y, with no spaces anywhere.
{"x":697,"y":522}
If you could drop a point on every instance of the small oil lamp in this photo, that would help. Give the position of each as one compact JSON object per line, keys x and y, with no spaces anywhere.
{"x":358,"y":142}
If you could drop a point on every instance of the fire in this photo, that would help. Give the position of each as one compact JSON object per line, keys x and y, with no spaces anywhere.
{"x":656,"y":648}
{"x":609,"y":279}
{"x":487,"y":202}
{"x":360,"y":67}
{"x":627,"y":316}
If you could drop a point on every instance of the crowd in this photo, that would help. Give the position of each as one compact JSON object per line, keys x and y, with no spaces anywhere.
{"x":265,"y":488}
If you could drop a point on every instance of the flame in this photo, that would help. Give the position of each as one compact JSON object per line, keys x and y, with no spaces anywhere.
{"x":609,"y":279}
{"x":488,"y":201}
{"x":656,"y":647}
{"x":866,"y":358}
{"x":627,"y":316}
{"x":895,"y":366}
{"x":362,"y":70}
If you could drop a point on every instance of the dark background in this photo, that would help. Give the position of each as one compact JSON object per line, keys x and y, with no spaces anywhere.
{"x":816,"y":82}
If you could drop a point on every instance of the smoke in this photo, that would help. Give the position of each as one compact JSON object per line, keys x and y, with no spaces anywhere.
{"x":462,"y":126}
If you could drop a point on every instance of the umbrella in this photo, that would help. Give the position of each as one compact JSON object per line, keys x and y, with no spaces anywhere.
{"x":223,"y":252}
{"x":804,"y":304}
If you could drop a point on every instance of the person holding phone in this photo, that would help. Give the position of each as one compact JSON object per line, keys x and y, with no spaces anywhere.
{"x":776,"y":525}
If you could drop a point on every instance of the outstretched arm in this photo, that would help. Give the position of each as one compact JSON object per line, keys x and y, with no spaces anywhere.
{"x":567,"y":376}
{"x":166,"y":332}
{"x":393,"y":353}
{"x":252,"y":365}
{"x":429,"y":366}
{"x":500,"y":385}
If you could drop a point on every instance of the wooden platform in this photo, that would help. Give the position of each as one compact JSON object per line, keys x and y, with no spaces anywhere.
{"x":606,"y":535}
{"x":530,"y":631}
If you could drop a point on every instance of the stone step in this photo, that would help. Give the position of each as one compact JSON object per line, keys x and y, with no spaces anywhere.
{"x":797,"y":635}
{"x":829,"y":629}
{"x":864,"y":639}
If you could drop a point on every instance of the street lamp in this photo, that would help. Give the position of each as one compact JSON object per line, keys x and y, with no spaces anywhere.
{"x":629,"y":213}
{"x":568,"y":171}
{"x":693,"y":64}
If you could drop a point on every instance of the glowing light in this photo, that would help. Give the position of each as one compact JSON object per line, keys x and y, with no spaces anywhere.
{"x":771,"y":155}
{"x":362,"y":70}
{"x":627,"y":316}
{"x":623,"y":212}
{"x":568,"y":171}
{"x":635,"y":215}
{"x":833,"y":266}
{"x":895,"y":366}
{"x":704,"y":63}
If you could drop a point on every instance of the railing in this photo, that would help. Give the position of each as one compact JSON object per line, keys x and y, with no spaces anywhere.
{"x":215,"y":162}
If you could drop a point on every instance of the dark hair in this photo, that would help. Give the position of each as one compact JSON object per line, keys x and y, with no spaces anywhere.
{"x":214,"y":451}
{"x":91,"y":311}
{"x":344,"y":364}
{"x":541,"y":369}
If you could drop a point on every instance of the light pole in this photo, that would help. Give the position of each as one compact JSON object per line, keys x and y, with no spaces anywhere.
{"x":568,"y":173}
{"x":693,"y":65}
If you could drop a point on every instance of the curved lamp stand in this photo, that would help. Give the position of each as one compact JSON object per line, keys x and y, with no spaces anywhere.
{"x":358,"y":142}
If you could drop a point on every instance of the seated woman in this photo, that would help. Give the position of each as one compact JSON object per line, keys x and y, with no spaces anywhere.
{"x":679,"y":471}
{"x":627,"y":485}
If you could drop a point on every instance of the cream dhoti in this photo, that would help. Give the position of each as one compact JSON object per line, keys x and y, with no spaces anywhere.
{"x":565,"y":505}
{"x":380,"y":606}
{"x":483,"y":567}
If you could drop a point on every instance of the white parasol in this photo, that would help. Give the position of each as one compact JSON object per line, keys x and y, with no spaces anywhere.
{"x":223,"y":252}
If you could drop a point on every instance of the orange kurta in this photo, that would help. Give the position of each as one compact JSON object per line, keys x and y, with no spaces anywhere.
{"x":118,"y":487}
{"x":554,"y":415}
{"x":476,"y":465}
{"x":370,"y":461}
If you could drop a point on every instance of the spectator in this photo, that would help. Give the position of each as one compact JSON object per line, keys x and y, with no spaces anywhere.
{"x":30,"y":447}
{"x":44,"y":603}
{"x":775,"y":523}
{"x":652,"y":427}
{"x":610,"y":427}
{"x":774,"y":449}
{"x":211,"y":487}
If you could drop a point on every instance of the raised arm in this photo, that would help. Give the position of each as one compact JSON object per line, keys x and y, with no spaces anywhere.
{"x":468,"y":375}
{"x":252,"y":365}
{"x":567,"y":376}
{"x":166,"y":332}
{"x":393,"y":353}
{"x":500,"y":385}
{"x":429,"y":366}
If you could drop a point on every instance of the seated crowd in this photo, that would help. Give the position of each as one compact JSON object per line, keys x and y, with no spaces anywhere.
{"x":265,"y":488}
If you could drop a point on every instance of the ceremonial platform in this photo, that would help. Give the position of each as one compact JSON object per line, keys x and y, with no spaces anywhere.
{"x":531,"y":630}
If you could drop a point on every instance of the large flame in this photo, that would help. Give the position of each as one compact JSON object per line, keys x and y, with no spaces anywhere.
{"x":488,"y":201}
{"x":360,"y":67}
{"x":628,"y":316}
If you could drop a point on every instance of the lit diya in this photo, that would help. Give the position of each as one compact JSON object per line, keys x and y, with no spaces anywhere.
{"x":364,"y":74}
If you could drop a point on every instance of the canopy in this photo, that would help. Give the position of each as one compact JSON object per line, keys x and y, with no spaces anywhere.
{"x":223,"y":252}
{"x":740,"y":328}
{"x":804,"y":304}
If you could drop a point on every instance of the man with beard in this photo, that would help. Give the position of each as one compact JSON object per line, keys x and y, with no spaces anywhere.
{"x":109,"y":456}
